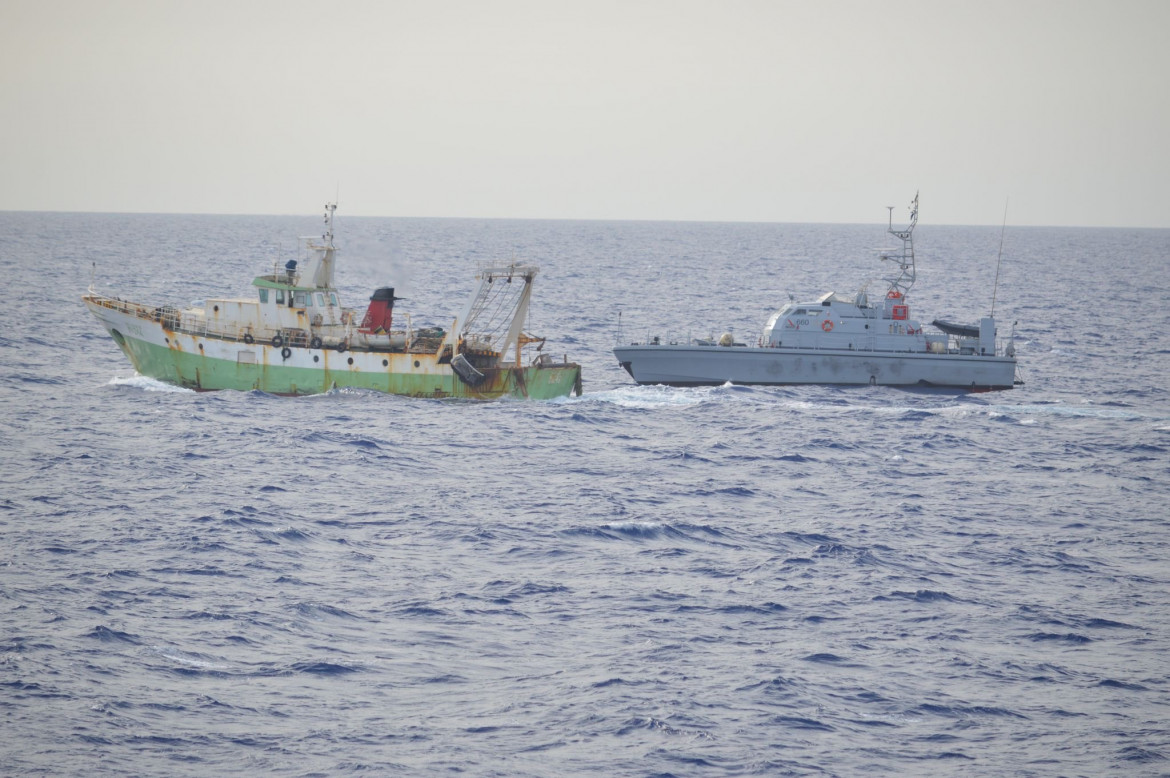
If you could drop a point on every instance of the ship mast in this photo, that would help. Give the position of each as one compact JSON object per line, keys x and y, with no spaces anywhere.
{"x":900,"y":286}
{"x":316,"y":270}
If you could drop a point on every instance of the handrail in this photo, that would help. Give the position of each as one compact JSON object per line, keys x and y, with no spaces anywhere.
{"x":865,"y":344}
{"x":176,"y":320}
{"x":183,"y":323}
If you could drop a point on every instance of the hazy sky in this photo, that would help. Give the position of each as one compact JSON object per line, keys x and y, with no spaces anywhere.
{"x":665,"y":109}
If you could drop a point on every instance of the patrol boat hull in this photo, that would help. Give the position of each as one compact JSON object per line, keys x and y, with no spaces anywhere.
{"x":840,"y":339}
{"x":716,"y":365}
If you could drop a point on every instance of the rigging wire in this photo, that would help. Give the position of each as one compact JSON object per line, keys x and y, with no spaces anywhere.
{"x":999,"y":259}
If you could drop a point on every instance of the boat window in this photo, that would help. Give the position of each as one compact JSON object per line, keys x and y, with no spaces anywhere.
{"x":800,"y":312}
{"x":280,"y":297}
{"x":320,"y":300}
{"x":333,"y":298}
{"x":298,"y":299}
{"x":264,"y":295}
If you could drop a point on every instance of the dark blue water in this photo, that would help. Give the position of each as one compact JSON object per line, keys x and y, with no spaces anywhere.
{"x":642,"y":581}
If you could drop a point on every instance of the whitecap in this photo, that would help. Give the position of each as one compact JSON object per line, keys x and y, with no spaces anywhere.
{"x":650,"y":397}
{"x":184,"y":658}
{"x":1063,"y":410}
{"x":147,"y":384}
{"x":638,"y":527}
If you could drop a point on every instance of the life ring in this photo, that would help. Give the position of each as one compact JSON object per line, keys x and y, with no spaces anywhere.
{"x":248,"y":338}
{"x":827,"y":325}
{"x":315,"y":342}
{"x":277,"y":342}
{"x":285,"y":352}
{"x":894,"y":294}
{"x":341,"y":346}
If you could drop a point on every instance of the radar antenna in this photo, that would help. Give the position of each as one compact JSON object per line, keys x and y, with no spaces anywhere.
{"x":328,"y":236}
{"x":900,"y":286}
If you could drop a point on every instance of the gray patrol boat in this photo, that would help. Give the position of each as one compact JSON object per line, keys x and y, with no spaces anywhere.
{"x":838,"y":339}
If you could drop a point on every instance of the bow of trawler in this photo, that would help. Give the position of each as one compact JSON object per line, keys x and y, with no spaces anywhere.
{"x":294,"y":336}
{"x":839,"y":339}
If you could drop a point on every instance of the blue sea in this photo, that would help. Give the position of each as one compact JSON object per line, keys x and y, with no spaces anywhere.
{"x":642,"y":581}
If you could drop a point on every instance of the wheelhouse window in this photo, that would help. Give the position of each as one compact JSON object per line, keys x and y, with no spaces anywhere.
{"x":298,"y":299}
{"x":333,"y":299}
{"x":280,"y":297}
{"x":263,"y":295}
{"x":320,"y":300}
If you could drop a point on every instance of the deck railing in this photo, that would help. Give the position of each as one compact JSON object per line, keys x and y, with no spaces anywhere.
{"x":950,"y":344}
{"x":422,"y":341}
{"x":171,"y":318}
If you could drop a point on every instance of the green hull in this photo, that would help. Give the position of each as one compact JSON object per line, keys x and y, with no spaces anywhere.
{"x":361,"y":370}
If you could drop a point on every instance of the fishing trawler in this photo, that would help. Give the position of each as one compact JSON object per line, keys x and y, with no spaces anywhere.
{"x":294,"y":337}
{"x":840,"y":339}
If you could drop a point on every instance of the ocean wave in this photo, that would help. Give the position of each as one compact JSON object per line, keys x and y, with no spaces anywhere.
{"x":735,"y":580}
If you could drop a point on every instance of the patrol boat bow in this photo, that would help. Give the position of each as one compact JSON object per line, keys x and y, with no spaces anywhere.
{"x":837,"y":339}
{"x":294,"y":337}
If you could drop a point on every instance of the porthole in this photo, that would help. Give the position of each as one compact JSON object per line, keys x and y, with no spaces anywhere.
{"x":167,"y":341}
{"x":215,"y":308}
{"x":316,"y":358}
{"x":416,"y":363}
{"x":200,"y":346}
{"x":350,"y":360}
{"x":385,"y":363}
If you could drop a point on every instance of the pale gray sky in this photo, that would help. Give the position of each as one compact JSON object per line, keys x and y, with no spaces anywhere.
{"x":739,"y":110}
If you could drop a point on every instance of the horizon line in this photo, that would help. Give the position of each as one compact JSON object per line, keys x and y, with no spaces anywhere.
{"x":572,"y":219}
